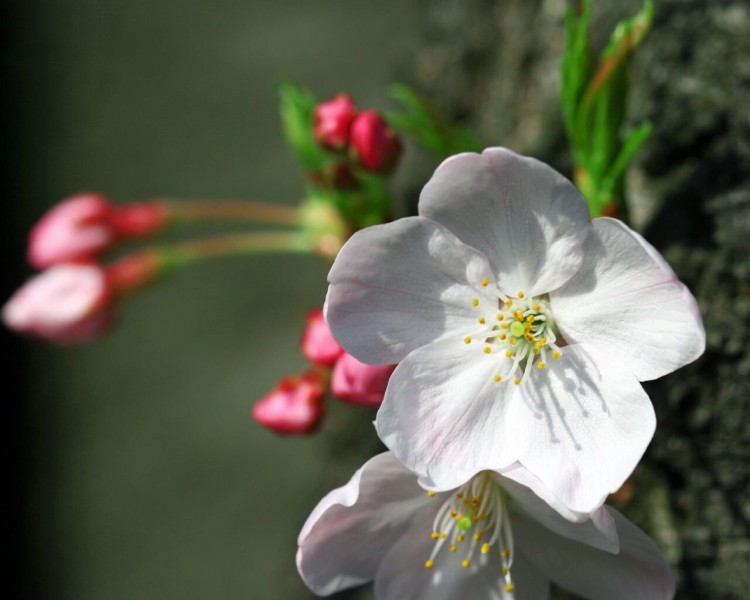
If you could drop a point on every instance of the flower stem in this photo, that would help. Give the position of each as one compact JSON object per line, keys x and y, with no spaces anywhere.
{"x":139,"y":269}
{"x":185,"y":253}
{"x":231,"y":210}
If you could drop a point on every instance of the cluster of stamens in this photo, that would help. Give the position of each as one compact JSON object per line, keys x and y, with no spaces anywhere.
{"x":520,"y":329}
{"x":474,"y":519}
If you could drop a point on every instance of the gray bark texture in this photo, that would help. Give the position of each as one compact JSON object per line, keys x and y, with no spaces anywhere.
{"x":496,"y":64}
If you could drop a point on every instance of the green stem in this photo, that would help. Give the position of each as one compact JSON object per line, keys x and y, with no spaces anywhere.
{"x":232,"y":210}
{"x":185,"y":253}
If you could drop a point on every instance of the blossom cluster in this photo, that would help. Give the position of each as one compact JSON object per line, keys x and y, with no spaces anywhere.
{"x":501,"y":333}
{"x":522,"y":331}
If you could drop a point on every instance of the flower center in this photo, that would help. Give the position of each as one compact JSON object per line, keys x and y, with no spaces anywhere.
{"x":520,"y":330}
{"x":474,"y":519}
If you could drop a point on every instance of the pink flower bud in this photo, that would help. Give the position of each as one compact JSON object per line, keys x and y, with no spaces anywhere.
{"x":75,"y":229}
{"x":65,"y":304}
{"x":83,"y":226}
{"x":139,"y":219}
{"x":375,"y":144}
{"x":332,"y":121}
{"x":357,"y":383}
{"x":317,"y":343}
{"x":294,"y":406}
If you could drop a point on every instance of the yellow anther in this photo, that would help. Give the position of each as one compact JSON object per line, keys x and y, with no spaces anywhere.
{"x":487,"y":349}
{"x":508,"y":354}
{"x":505,"y":571}
{"x":453,"y":547}
{"x":518,"y":315}
{"x":517,"y":380}
{"x":435,"y":535}
{"x":509,"y":303}
{"x":556,"y":354}
{"x":485,"y":282}
{"x":505,"y":553}
{"x":482,"y":321}
{"x":442,"y":535}
{"x":467,"y":339}
{"x":500,"y":316}
{"x":429,"y":563}
{"x":530,"y":319}
{"x":502,"y":336}
{"x":542,"y":341}
{"x":509,"y":587}
{"x":536,"y":308}
{"x":485,"y":548}
{"x":504,"y":325}
{"x":497,"y":378}
{"x":430,"y":493}
{"x":465,"y":563}
{"x":475,"y":302}
{"x":477,"y":537}
{"x":454,"y":513}
{"x":521,"y":295}
{"x":535,"y":351}
{"x":513,"y":341}
{"x":460,"y":537}
{"x":541,"y":364}
{"x":529,"y":337}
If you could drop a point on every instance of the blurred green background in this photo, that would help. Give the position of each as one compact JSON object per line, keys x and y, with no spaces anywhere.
{"x":138,"y":470}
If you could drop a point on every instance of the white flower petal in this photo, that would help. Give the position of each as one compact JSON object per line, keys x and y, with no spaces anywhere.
{"x":581,"y":425}
{"x":403,"y":576}
{"x":443,"y":414}
{"x":523,"y":215}
{"x":399,"y":286}
{"x":345,"y":538}
{"x":638,"y":571}
{"x":625,"y":298}
{"x":596,"y":529}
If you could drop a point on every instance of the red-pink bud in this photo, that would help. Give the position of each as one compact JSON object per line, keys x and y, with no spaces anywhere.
{"x":135,"y":271}
{"x":139,"y":219}
{"x":76,"y":229}
{"x":65,"y":304}
{"x":332,"y":121}
{"x":374,"y":143}
{"x":317,"y":343}
{"x":294,"y":406}
{"x":357,"y":383}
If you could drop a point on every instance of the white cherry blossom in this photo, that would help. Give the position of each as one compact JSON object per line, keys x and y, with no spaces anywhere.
{"x":491,"y":538}
{"x":522,"y":329}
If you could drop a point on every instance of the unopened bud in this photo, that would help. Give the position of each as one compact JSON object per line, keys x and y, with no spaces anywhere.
{"x":81,"y":227}
{"x":76,"y":229}
{"x":139,"y":219}
{"x":332,"y":121}
{"x":294,"y":406}
{"x":358,"y":383}
{"x":374,"y":143}
{"x":65,"y":304}
{"x":317,"y":343}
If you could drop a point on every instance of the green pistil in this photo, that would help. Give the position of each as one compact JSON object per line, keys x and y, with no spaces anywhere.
{"x":465,"y":522}
{"x":517,"y":328}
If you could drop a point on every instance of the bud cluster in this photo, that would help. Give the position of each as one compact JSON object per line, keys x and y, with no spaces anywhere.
{"x":74,"y":298}
{"x":363,"y":140}
{"x":295,"y":405}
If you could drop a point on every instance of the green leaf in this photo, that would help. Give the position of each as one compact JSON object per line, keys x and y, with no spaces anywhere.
{"x":576,"y":64}
{"x":428,"y":126}
{"x":297,"y":109}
